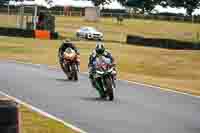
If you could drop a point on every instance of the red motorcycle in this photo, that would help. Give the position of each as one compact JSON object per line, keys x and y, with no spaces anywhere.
{"x":70,"y":64}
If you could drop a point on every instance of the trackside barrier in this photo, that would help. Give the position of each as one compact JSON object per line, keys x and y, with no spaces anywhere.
{"x":42,"y":34}
{"x":162,"y":43}
{"x":15,"y":32}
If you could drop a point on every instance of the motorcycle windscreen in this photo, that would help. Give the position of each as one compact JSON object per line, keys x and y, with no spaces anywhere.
{"x":102,"y":60}
{"x":102,"y":63}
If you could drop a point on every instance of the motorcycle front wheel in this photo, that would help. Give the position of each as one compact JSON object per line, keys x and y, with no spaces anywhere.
{"x":109,"y":88}
{"x":75,"y":73}
{"x":67,"y":70}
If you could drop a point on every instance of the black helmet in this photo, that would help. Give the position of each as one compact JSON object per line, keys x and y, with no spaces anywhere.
{"x":100,"y":48}
{"x":66,"y":41}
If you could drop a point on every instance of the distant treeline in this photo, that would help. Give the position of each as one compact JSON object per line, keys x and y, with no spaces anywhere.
{"x":74,"y":11}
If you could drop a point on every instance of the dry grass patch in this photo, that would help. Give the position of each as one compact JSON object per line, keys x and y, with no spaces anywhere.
{"x":148,"y":28}
{"x":112,"y":31}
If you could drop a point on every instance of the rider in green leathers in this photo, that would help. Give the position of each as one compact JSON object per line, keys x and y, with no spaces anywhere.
{"x":98,"y":51}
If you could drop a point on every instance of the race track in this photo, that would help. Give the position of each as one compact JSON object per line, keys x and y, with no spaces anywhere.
{"x":136,"y":109}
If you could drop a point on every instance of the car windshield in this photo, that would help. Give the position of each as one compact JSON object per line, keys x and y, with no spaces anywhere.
{"x":89,"y":29}
{"x":92,"y":29}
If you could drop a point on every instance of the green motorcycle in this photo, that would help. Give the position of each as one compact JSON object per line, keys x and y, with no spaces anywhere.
{"x":103,"y":78}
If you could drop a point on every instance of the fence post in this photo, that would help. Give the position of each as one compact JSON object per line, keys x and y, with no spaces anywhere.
{"x":197,"y":36}
{"x":197,"y":41}
{"x":121,"y":38}
{"x":35,"y":17}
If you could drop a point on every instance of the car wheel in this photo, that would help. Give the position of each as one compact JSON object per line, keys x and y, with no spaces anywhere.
{"x":89,"y":37}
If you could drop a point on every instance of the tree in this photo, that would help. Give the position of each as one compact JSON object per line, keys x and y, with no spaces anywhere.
{"x":122,"y":2}
{"x":97,"y":3}
{"x":144,"y":5}
{"x":4,"y":2}
{"x":189,"y":5}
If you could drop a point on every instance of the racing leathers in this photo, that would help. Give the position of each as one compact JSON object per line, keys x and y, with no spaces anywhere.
{"x":91,"y":66}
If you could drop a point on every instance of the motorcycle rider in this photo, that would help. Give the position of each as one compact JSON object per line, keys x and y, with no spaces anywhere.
{"x":66,"y":44}
{"x":99,"y":51}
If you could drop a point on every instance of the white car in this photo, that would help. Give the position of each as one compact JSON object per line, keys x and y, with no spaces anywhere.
{"x":89,"y":33}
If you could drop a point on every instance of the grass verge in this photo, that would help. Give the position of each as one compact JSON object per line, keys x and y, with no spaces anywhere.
{"x":32,"y":122}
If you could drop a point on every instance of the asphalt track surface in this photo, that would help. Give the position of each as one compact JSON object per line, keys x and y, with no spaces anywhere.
{"x":136,"y":108}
